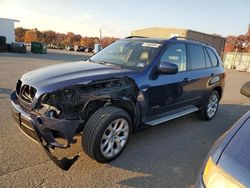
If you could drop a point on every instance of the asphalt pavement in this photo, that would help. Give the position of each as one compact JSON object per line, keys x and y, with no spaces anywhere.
{"x":169,"y":155}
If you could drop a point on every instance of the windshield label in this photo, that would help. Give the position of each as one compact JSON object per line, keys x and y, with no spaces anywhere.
{"x":142,"y":65}
{"x":152,"y":45}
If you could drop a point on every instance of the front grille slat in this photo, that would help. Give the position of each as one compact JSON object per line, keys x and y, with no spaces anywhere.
{"x":27,"y":93}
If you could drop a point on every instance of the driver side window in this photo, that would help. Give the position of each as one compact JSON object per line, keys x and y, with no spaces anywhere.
{"x":176,"y":53}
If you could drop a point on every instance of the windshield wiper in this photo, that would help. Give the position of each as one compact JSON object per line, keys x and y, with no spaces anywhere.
{"x":109,"y":64}
{"x":105,"y":63}
{"x":114,"y":65}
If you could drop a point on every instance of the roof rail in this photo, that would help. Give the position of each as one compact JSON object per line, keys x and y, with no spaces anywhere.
{"x":134,"y":37}
{"x":176,"y":38}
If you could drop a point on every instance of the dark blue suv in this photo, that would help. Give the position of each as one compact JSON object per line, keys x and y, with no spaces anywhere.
{"x":133,"y":83}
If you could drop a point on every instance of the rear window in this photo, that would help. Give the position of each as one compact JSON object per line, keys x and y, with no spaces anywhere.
{"x":213,"y":58}
{"x":208,"y":62}
{"x":197,"y":59}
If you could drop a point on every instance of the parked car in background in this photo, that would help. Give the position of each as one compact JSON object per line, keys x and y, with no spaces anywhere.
{"x":58,"y":47}
{"x":228,"y":162}
{"x":70,"y":48}
{"x":80,"y":48}
{"x":132,"y":83}
{"x":89,"y":49}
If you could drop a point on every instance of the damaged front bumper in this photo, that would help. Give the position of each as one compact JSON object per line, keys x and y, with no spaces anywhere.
{"x":42,"y":129}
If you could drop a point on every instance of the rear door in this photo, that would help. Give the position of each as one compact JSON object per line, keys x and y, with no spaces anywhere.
{"x":199,"y":71}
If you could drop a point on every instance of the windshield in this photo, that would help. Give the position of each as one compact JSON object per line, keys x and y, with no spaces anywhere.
{"x":128,"y":54}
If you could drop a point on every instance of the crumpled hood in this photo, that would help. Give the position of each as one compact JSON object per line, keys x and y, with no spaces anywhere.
{"x":54,"y":77}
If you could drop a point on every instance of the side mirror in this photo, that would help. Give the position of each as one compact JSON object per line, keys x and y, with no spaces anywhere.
{"x":167,"y":68}
{"x":245,"y":89}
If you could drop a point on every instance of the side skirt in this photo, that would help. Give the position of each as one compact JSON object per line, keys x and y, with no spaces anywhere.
{"x":172,"y":115}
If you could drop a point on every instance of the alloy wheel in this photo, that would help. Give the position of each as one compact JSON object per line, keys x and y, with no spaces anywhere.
{"x":114,"y":138}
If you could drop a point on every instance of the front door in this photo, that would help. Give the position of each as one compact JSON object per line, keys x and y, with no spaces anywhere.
{"x":170,"y":92}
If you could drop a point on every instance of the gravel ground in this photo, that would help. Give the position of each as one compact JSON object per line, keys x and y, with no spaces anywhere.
{"x":169,"y":155}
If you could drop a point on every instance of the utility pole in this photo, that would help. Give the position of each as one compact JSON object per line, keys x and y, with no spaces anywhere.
{"x":100,"y":34}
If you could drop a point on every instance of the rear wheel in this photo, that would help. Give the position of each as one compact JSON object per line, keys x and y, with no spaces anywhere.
{"x":106,"y":134}
{"x":210,"y":108}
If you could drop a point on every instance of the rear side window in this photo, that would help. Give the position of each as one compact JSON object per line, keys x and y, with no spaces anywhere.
{"x":208,"y":62}
{"x":197,"y":59}
{"x":213,"y":58}
{"x":176,"y":53}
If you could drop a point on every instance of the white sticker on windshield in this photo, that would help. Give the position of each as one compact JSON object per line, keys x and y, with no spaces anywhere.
{"x":152,"y":45}
{"x":141,"y":65}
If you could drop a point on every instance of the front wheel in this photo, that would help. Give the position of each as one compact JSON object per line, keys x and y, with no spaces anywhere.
{"x":106,"y":134}
{"x":210,"y":108}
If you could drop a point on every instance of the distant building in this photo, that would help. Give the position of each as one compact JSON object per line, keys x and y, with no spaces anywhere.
{"x":216,"y":41}
{"x":7,"y":29}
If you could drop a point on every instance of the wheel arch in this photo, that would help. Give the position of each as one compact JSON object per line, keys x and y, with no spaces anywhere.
{"x":124,"y":103}
{"x":218,"y":89}
{"x":130,"y":107}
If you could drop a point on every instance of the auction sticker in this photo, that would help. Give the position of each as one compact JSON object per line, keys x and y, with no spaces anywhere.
{"x":152,"y":45}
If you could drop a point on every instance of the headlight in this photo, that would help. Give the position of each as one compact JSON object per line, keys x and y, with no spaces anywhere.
{"x":216,"y":177}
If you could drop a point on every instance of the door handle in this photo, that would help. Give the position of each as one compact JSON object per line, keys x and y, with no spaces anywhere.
{"x":212,"y":75}
{"x":187,"y":80}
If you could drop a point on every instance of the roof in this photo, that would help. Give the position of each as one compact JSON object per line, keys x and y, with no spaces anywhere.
{"x":146,"y":39}
{"x":163,"y":40}
{"x":13,"y":20}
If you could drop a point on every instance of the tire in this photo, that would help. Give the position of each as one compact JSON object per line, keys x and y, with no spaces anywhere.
{"x":101,"y":139}
{"x":212,"y":102}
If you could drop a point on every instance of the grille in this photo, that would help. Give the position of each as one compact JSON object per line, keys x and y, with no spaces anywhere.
{"x":27,"y":93}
